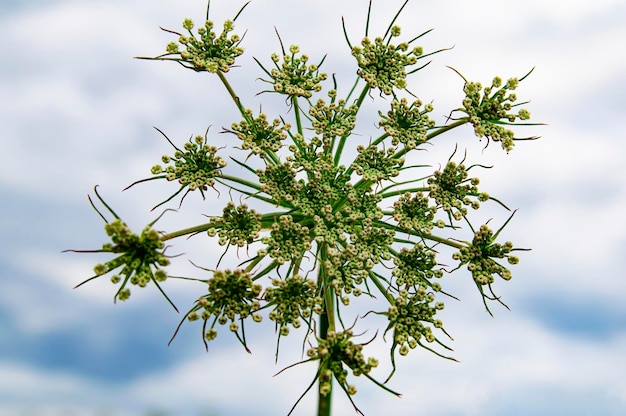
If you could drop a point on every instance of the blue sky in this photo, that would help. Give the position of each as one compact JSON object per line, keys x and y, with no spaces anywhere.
{"x":76,"y":110}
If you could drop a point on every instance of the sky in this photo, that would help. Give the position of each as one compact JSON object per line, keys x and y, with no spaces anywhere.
{"x":76,"y":110}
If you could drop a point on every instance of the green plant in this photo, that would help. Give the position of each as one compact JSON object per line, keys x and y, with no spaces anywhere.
{"x":330,"y":230}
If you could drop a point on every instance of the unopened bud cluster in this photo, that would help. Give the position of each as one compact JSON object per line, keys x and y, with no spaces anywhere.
{"x":258,"y":135}
{"x":207,"y":51}
{"x":479,"y":257}
{"x":335,"y":353}
{"x":413,"y":212}
{"x":137,"y":254}
{"x":288,"y":240}
{"x":411,"y":318}
{"x":415,"y":267}
{"x":489,"y":112}
{"x":238,"y":225}
{"x":407,"y":124}
{"x":451,"y":189}
{"x":195,"y":167}
{"x":232,"y":296}
{"x":293,"y":298}
{"x":333,"y":120}
{"x":295,"y":77}
{"x":382,"y":64}
{"x":376,"y":165}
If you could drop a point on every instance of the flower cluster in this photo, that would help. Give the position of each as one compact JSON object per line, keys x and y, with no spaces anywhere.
{"x":295,"y":77}
{"x":208,"y":51}
{"x":415,"y":267}
{"x":293,"y":298}
{"x":335,"y":352}
{"x":258,"y":135}
{"x":279,"y":181}
{"x":194,"y":168}
{"x":407,"y":124}
{"x":288,"y":240}
{"x":376,"y":165}
{"x":238,"y":225}
{"x":383,"y":65}
{"x":451,"y":189}
{"x":137,"y":256}
{"x":480,"y":254}
{"x":489,"y":112}
{"x":333,"y":120}
{"x":232,"y":295}
{"x":408,"y":315}
{"x":350,"y":267}
{"x":414,"y":212}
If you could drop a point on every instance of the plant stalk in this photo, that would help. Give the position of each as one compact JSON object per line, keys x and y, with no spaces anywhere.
{"x":324,"y":400}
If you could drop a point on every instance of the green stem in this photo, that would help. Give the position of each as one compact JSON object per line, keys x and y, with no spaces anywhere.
{"x":342,"y":140}
{"x":324,"y":400}
{"x":187,"y":231}
{"x":434,"y":134}
{"x":232,"y":93}
{"x":296,"y":110}
{"x":326,"y":323}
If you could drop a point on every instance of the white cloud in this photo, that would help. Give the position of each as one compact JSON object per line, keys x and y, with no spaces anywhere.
{"x":499,"y":358}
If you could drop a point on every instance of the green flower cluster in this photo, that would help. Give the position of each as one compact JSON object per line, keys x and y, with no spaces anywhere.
{"x":383,"y":65}
{"x":349,"y":267}
{"x":415,"y":267}
{"x":488,"y":111}
{"x":279,"y":181}
{"x":480,"y":254}
{"x":258,"y":135}
{"x":238,"y":225}
{"x":294,"y":77}
{"x":335,"y":352}
{"x":208,"y":51}
{"x":293,"y":298}
{"x":194,"y":168}
{"x":376,"y":165}
{"x":333,"y":120}
{"x":407,"y":124}
{"x":408,"y":315}
{"x":414,"y":213}
{"x":288,"y":240}
{"x":451,"y":190}
{"x":138,"y":255}
{"x":232,"y":295}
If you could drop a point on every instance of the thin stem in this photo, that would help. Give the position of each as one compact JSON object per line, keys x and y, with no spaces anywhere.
{"x":187,"y":231}
{"x":296,"y":110}
{"x":326,"y":323}
{"x":324,"y":400}
{"x":342,"y":140}
{"x":232,"y":93}
{"x":434,"y":134}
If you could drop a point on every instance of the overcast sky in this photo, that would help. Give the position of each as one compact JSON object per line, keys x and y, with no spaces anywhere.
{"x":76,"y":110}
